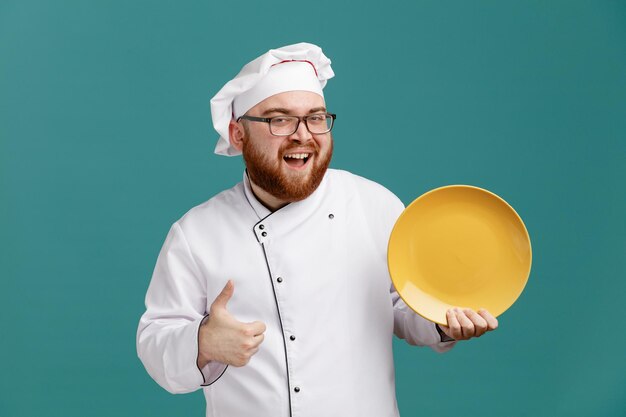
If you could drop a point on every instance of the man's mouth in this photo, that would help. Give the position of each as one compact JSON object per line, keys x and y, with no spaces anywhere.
{"x":297,"y":160}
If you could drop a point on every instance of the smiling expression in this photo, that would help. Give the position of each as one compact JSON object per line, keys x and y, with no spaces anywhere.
{"x":291,"y":167}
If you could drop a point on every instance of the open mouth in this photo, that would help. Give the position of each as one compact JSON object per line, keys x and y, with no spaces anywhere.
{"x":297,"y":160}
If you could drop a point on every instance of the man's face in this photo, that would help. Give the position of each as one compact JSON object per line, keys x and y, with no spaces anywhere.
{"x":275,"y":163}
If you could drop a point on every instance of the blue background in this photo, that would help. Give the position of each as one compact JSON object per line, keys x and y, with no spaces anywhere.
{"x":106,"y":139}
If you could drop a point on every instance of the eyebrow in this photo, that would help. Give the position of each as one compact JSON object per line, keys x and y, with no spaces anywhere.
{"x":287,"y":111}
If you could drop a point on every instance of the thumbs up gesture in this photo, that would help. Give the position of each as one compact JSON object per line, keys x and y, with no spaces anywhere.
{"x":223,"y":338}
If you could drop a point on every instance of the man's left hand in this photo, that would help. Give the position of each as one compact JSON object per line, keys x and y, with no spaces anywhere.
{"x":465,"y":323}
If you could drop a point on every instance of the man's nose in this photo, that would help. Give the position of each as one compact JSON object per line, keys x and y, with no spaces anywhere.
{"x":301,"y":133}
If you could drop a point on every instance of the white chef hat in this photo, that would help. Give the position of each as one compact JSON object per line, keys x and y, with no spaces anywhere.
{"x":302,"y":66}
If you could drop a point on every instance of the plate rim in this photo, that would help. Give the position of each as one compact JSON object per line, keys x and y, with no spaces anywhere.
{"x":476,"y":188}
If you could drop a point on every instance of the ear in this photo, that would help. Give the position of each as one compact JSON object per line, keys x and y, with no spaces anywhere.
{"x":236,"y":134}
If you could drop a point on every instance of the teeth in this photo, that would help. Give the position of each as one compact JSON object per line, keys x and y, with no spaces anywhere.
{"x":298,"y":155}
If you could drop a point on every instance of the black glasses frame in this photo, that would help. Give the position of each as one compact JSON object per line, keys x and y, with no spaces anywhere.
{"x":268,"y":120}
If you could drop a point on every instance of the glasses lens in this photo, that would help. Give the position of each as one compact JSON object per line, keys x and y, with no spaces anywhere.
{"x":283,"y":125}
{"x":319,"y":123}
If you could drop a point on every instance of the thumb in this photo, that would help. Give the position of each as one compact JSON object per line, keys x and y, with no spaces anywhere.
{"x":223,"y":297}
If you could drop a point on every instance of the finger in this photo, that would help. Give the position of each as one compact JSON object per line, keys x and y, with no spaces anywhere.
{"x":258,"y":340}
{"x":454,"y":325}
{"x":480,"y":324}
{"x":255,"y":328}
{"x":223,"y":297}
{"x":251,"y":343}
{"x":492,"y":322}
{"x":467,"y":327}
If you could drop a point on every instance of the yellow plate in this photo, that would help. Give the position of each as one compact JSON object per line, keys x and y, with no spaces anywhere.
{"x":459,"y":246}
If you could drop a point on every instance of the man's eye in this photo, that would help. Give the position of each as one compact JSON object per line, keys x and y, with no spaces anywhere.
{"x":317,"y":118}
{"x":280,"y":120}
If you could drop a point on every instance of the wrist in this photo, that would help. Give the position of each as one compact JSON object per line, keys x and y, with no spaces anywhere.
{"x":442,"y":335}
{"x":202,"y":361}
{"x":203,"y":354}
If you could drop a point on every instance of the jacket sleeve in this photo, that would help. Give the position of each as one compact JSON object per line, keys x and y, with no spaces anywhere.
{"x":167,"y":336}
{"x":415,"y":329}
{"x":407,"y":324}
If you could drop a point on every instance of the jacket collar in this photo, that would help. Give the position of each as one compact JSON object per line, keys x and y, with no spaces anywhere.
{"x":286,"y":218}
{"x":260,"y":210}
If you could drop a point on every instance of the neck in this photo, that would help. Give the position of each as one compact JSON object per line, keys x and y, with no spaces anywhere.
{"x":268,"y":200}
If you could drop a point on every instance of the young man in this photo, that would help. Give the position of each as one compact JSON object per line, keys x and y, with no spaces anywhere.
{"x":274,"y":295}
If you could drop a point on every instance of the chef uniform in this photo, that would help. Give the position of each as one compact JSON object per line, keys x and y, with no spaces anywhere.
{"x":314,"y":272}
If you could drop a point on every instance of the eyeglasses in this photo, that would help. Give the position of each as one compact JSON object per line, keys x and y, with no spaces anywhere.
{"x":317,"y":123}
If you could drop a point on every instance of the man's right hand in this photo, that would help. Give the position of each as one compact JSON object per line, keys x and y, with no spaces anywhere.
{"x":223,"y":338}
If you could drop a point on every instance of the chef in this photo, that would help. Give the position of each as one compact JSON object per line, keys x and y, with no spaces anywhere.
{"x":274,"y":296}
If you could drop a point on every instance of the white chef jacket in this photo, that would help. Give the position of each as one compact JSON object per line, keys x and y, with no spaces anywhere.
{"x":315,"y":272}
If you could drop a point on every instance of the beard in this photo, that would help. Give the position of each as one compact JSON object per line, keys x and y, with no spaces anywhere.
{"x":269,"y":173}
